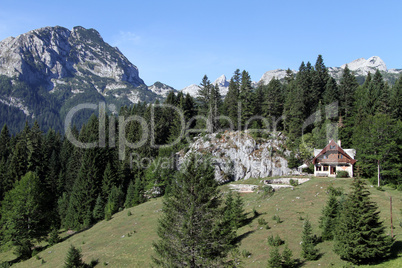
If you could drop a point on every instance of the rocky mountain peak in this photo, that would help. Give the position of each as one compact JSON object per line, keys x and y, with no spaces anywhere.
{"x":363,"y":66}
{"x":53,"y":53}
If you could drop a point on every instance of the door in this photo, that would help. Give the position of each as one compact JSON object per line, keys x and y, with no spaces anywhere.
{"x":332,"y":170}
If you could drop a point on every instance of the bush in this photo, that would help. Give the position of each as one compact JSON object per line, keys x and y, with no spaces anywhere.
{"x":245,"y":253}
{"x":267,"y":191}
{"x":335,"y":191}
{"x":277,"y":219}
{"x":342,"y":174}
{"x":293,"y":182}
{"x":399,"y":187}
{"x":275,"y":242}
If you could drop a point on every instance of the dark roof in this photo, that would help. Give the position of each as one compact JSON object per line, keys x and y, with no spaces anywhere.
{"x":336,"y":148}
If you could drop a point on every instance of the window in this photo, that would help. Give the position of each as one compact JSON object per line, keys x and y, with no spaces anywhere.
{"x":325,"y":156}
{"x":318,"y":168}
{"x":332,"y":147}
{"x":325,"y":168}
{"x":340,"y":156}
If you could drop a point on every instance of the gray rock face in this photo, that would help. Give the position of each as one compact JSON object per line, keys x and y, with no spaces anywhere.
{"x":53,"y":53}
{"x":238,"y":156}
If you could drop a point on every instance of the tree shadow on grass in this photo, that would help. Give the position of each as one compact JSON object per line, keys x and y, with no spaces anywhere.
{"x":241,"y":237}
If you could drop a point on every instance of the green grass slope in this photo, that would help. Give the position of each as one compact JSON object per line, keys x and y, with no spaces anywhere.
{"x":126,"y":241}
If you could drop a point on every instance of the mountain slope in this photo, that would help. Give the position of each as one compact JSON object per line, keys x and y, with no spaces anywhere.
{"x":60,"y":68}
{"x":127,"y":240}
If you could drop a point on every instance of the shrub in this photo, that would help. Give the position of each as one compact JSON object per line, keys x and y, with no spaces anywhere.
{"x":342,"y":174}
{"x":293,"y":182}
{"x":277,"y":219}
{"x":399,"y":187}
{"x":275,"y":242}
{"x":267,"y":191}
{"x":245,"y":253}
{"x":335,"y":191}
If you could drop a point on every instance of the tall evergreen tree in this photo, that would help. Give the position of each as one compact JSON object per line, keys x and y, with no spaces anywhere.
{"x":273,"y":100}
{"x":188,"y":230}
{"x":377,"y":141}
{"x":230,"y":104}
{"x":329,"y":217}
{"x":309,"y":252}
{"x":396,"y":99}
{"x":246,"y":98}
{"x":360,"y":236}
{"x":347,"y":88}
{"x":24,"y":218}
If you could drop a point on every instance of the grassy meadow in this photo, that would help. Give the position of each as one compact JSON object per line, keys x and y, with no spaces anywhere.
{"x":126,"y":240}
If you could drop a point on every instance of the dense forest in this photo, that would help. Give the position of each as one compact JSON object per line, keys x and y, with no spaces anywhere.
{"x":45,"y":178}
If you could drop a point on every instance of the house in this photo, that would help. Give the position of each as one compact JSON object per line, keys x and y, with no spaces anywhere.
{"x":332,"y":159}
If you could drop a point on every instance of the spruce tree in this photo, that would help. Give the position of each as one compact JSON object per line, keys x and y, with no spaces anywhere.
{"x":275,"y":259}
{"x":74,"y":258}
{"x":346,"y":89}
{"x":287,"y":255}
{"x":360,"y":236}
{"x":309,"y":252}
{"x":230,"y":104}
{"x":130,"y":196}
{"x":99,"y":209}
{"x":189,"y":228}
{"x":328,"y":219}
{"x":24,"y":218}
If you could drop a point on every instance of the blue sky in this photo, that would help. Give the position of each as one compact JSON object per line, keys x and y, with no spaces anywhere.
{"x":177,"y":42}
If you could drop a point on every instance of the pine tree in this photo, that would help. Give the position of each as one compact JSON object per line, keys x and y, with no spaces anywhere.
{"x":246,"y":98}
{"x":360,"y":237}
{"x":114,"y":202}
{"x":99,"y":209}
{"x":287,"y":255}
{"x":275,"y":259}
{"x":329,"y":217}
{"x":130,"y":196}
{"x":54,"y":237}
{"x":347,"y":88}
{"x":189,"y":228}
{"x":309,"y":252}
{"x":396,"y":99}
{"x":273,"y":100}
{"x":24,"y":219}
{"x":74,"y":258}
{"x":230,"y":104}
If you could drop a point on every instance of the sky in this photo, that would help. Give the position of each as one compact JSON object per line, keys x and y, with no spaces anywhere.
{"x":178,"y":42}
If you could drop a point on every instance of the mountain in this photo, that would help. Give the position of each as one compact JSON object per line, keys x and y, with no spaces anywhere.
{"x":47,"y":71}
{"x":161,"y":89}
{"x":223,"y":84}
{"x":191,"y":89}
{"x":361,"y":67}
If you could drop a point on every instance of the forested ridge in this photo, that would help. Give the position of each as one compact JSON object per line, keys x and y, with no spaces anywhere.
{"x":47,"y":183}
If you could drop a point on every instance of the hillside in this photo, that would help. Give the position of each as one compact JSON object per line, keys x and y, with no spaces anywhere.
{"x":126,"y":241}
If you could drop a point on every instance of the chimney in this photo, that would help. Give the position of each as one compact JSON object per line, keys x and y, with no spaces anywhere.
{"x":339,"y":143}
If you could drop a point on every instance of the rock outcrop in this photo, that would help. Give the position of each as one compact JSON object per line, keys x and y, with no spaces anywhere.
{"x":238,"y":156}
